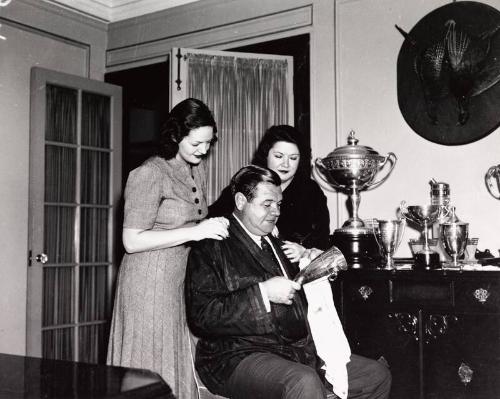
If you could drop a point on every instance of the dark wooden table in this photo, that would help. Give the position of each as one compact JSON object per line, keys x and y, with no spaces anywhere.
{"x":29,"y":377}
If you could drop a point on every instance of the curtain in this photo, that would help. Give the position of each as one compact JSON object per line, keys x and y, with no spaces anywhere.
{"x":246,"y":95}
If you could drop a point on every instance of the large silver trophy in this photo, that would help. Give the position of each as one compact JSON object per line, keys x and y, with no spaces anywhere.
{"x":352,"y":169}
{"x":454,"y":236}
{"x":388,"y":234}
{"x":424,"y":216}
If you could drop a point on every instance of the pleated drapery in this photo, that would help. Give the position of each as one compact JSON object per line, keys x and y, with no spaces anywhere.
{"x":246,"y":95}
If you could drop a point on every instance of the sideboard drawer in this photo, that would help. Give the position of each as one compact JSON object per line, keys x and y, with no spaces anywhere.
{"x":415,"y":292}
{"x":370,"y":292}
{"x":478,"y":296}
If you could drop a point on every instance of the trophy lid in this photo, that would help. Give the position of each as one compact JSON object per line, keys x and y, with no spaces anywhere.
{"x":353,"y":150}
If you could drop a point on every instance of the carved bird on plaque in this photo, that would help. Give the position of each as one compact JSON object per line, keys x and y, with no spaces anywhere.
{"x":448,"y":70}
{"x":457,"y":64}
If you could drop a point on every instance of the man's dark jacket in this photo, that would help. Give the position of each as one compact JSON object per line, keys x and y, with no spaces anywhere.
{"x":226,"y":311}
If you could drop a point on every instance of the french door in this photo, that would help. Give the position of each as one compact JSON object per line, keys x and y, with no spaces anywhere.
{"x":75,"y":166}
{"x":247,"y":93}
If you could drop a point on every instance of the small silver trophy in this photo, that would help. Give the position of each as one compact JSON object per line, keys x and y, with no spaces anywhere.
{"x":388,"y":235}
{"x":454,"y":236}
{"x":492,"y":180}
{"x":424,"y":216}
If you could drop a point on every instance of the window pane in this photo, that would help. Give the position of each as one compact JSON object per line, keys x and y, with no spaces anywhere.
{"x":94,"y":235}
{"x":95,"y":177}
{"x":92,"y":343}
{"x":95,"y":120}
{"x":93,"y":293}
{"x":58,"y":344}
{"x":58,"y":298}
{"x":61,"y":114}
{"x":59,"y":234}
{"x":60,"y":174}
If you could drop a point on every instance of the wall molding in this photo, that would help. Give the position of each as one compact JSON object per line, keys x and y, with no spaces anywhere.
{"x":290,"y":20}
{"x":39,"y":8}
{"x":27,"y":28}
{"x":116,"y":10}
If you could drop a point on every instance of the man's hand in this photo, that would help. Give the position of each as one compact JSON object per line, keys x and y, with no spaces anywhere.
{"x":281,"y":290}
{"x":292,"y":250}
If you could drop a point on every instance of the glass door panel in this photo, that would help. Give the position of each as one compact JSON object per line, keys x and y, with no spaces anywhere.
{"x":93,"y":294}
{"x":61,"y":116}
{"x":58,"y":286}
{"x":94,"y":235}
{"x":92,"y":344}
{"x":95,"y":177}
{"x":59,"y":228}
{"x":60,"y":173}
{"x":96,"y":121}
{"x":74,"y":189}
{"x":58,"y":344}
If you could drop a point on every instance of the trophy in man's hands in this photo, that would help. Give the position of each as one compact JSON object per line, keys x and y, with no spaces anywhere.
{"x":328,"y":263}
{"x":424,"y":216}
{"x":388,"y":234}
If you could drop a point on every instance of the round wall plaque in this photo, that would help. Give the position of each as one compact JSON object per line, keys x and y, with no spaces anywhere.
{"x":448,"y":72}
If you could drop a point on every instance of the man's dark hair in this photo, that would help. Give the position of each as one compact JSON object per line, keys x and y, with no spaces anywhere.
{"x":245,"y":181}
{"x":189,"y":114}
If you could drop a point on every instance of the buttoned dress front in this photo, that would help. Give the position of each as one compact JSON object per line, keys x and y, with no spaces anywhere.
{"x":149,"y":328}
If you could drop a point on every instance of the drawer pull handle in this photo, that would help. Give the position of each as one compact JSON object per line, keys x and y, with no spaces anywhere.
{"x":465,"y":373}
{"x":365,"y":292}
{"x":481,"y":295}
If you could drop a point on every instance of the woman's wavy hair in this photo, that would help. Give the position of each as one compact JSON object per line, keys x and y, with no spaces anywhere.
{"x":189,"y":114}
{"x":288,"y":134}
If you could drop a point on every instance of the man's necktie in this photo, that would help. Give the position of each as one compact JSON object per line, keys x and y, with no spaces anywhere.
{"x":268,"y":251}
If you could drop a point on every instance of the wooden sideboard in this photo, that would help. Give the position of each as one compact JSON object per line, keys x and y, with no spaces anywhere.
{"x":438,"y":330}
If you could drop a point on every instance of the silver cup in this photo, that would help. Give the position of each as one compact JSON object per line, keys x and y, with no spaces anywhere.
{"x":388,"y":235}
{"x":454,"y":236}
{"x":422,"y":215}
{"x":328,"y":263}
{"x":492,"y":180}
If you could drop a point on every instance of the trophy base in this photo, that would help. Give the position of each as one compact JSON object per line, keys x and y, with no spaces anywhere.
{"x":427,"y":261}
{"x":358,"y":246}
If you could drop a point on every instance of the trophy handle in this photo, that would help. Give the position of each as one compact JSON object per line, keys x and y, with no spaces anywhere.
{"x":319,"y":167}
{"x":391,"y":157}
{"x":375,"y":227}
{"x":403,"y":209}
{"x":403,"y":228}
{"x":493,"y":172}
{"x":404,"y":214}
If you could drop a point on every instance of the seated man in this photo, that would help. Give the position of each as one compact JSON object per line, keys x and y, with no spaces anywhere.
{"x":250,"y":317}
